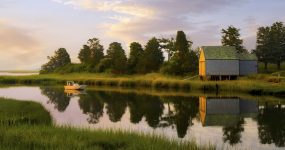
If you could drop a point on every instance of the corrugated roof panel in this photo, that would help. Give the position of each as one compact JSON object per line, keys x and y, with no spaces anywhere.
{"x":220,"y":52}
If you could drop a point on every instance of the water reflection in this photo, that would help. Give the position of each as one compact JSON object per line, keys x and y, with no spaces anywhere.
{"x":57,"y":97}
{"x":92,"y":104}
{"x":271,"y":125}
{"x":185,"y":110}
{"x":227,"y":112}
{"x":225,"y":121}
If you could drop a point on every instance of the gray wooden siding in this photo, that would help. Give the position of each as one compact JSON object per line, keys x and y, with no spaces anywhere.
{"x":223,"y":106}
{"x":222,"y":67}
{"x":248,"y":106}
{"x":247,"y":67}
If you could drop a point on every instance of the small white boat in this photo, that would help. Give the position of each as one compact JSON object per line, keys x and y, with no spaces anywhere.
{"x":71,"y":85}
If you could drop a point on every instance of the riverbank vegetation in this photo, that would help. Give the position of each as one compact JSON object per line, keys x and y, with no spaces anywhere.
{"x":261,"y":84}
{"x":22,"y":128}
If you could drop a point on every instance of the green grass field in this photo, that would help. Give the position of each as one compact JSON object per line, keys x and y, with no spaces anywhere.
{"x":38,"y":132}
{"x":271,"y":68}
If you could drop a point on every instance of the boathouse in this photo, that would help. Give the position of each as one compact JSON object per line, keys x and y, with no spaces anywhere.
{"x":223,"y":62}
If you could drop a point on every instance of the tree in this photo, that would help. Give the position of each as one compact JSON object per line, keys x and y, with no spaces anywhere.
{"x":136,"y":52}
{"x":277,"y":37}
{"x":152,"y":58}
{"x":97,"y":51}
{"x":184,"y":60}
{"x":84,"y":55}
{"x":231,"y":37}
{"x":60,"y":59}
{"x":117,"y":56}
{"x":168,"y":45}
{"x":263,"y":46}
{"x":270,"y":44}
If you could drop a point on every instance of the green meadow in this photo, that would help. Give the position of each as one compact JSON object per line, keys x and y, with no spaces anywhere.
{"x":27,"y":125}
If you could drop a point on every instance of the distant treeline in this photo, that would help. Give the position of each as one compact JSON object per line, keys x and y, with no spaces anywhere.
{"x":182,"y":58}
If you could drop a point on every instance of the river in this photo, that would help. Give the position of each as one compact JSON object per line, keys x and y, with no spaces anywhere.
{"x":226,"y":121}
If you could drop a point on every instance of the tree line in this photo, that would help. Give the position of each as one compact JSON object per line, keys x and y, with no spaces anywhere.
{"x":270,"y":44}
{"x":182,"y":58}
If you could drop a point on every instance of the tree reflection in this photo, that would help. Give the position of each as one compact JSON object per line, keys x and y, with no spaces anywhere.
{"x":271,"y":125}
{"x":185,"y":110}
{"x":57,"y":97}
{"x":232,"y":134}
{"x":136,"y":111}
{"x":146,"y":106}
{"x":93,"y":105}
{"x":116,"y":105}
{"x":153,"y":109}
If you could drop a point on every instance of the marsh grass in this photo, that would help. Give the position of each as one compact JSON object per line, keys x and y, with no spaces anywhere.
{"x":13,"y":113}
{"x":42,"y":134}
{"x":259,"y":84}
{"x":47,"y":137}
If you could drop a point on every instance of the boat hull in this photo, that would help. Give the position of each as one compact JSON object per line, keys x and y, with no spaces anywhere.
{"x":75,"y":87}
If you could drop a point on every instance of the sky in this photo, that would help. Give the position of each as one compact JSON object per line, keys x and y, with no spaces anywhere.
{"x":31,"y":30}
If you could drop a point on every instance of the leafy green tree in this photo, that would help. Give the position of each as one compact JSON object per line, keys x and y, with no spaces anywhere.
{"x":263,"y":46}
{"x":231,"y":37}
{"x":91,"y":54}
{"x":152,"y":58}
{"x":97,"y":51}
{"x":84,"y":55}
{"x":136,"y":52}
{"x":277,"y":37}
{"x":184,"y":60}
{"x":103,"y":65}
{"x":270,"y":44}
{"x":168,"y":45}
{"x":60,"y":59}
{"x":117,"y":56}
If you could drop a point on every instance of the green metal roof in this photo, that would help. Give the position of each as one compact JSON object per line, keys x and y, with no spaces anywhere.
{"x":220,"y":52}
{"x":225,"y":52}
{"x":247,"y":57}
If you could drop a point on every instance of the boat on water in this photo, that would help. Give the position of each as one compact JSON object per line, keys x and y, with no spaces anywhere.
{"x":71,"y":85}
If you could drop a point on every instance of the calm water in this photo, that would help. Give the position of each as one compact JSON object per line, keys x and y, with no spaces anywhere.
{"x":225,"y":121}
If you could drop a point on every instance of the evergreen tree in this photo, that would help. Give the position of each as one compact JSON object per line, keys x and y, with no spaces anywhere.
{"x":231,"y":37}
{"x":152,"y":58}
{"x":117,"y":56}
{"x":136,"y":52}
{"x":60,"y":59}
{"x":184,"y":60}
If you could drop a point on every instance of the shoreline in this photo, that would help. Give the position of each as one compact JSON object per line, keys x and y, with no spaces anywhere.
{"x":257,"y":85}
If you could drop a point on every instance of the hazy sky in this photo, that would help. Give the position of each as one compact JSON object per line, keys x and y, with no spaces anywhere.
{"x":30,"y":30}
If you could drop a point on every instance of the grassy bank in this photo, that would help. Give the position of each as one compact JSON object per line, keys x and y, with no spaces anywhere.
{"x":39,"y":133}
{"x":262,"y":84}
